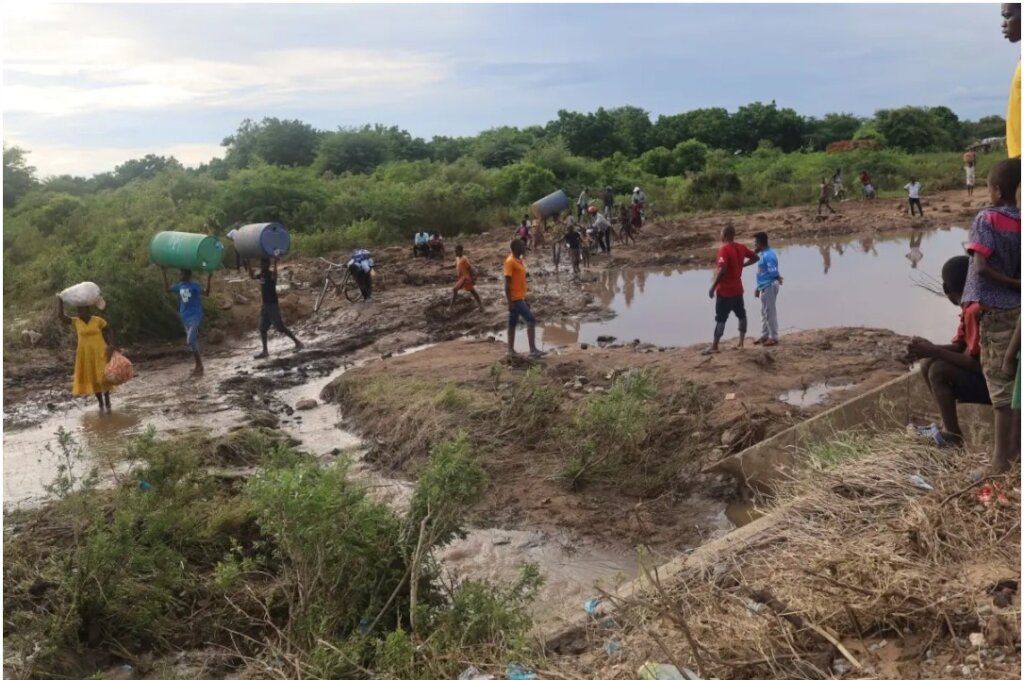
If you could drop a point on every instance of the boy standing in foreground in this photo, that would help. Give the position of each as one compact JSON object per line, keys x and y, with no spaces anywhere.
{"x":953,"y":372}
{"x":270,"y":309}
{"x":728,"y":285}
{"x":515,"y":293}
{"x":464,"y":275}
{"x":993,"y":281}
{"x":768,"y":282}
{"x":190,"y":309}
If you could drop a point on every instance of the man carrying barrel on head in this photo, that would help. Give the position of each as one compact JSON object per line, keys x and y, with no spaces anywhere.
{"x":270,"y":310}
{"x":190,"y":309}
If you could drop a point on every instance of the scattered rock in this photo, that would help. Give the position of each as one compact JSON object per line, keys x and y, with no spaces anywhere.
{"x":730,"y":396}
{"x":215,"y":336}
{"x":584,"y":345}
{"x":841,"y":667}
{"x":263,"y":419}
{"x":225,"y":305}
{"x":977,"y":639}
{"x":306,"y":404}
{"x":997,"y":632}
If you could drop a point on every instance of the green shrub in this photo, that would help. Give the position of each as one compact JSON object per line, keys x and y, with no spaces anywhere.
{"x":449,"y":484}
{"x":610,"y":429}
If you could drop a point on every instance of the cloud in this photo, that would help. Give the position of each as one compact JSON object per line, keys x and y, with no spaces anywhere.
{"x":66,"y":159}
{"x":65,"y":63}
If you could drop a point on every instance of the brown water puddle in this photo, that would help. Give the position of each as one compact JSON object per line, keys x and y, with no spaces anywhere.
{"x":861,"y":282}
{"x":167,"y":401}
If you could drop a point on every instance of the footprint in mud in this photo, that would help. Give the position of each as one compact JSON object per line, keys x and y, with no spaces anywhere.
{"x":437,"y":312}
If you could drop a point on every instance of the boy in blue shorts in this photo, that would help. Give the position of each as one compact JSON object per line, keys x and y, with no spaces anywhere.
{"x":953,"y":372}
{"x":190,"y":309}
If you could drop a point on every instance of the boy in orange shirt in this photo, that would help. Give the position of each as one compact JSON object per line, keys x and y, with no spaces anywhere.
{"x":464,"y":273}
{"x":515,"y":292}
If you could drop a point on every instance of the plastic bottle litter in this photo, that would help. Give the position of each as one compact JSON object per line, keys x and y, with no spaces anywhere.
{"x":516,"y":672}
{"x":754,"y":608}
{"x":144,"y":485}
{"x":920,"y":482}
{"x":612,"y":647}
{"x":931,"y":431}
{"x":591,"y":605}
{"x":474,"y":673}
{"x":664,"y":671}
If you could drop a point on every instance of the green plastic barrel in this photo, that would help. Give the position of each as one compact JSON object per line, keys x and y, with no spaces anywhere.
{"x":182,"y":250}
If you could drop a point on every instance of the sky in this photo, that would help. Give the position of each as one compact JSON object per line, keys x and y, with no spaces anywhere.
{"x":86,"y":87}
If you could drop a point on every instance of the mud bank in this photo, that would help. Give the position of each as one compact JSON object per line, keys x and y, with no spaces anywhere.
{"x":701,"y":409}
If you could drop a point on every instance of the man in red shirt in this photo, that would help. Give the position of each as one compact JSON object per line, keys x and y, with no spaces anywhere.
{"x":953,"y":372}
{"x":728,"y":284}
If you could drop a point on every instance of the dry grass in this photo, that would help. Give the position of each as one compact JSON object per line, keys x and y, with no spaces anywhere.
{"x":857,"y":554}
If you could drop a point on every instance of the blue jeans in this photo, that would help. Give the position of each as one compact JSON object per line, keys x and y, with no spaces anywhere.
{"x":520,"y":310}
{"x":192,"y":334}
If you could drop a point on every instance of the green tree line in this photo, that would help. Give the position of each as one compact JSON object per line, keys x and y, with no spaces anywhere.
{"x":378,"y":184}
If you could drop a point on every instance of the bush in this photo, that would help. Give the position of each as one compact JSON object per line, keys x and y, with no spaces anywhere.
{"x":611,"y":428}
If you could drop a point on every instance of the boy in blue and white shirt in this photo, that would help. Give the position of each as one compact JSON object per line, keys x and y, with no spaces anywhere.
{"x":190,"y":309}
{"x":768,"y":282}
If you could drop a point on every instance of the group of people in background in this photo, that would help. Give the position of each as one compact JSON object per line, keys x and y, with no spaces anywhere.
{"x":428,"y":245}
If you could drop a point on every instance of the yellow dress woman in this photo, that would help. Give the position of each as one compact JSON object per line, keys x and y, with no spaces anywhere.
{"x":95,"y":345}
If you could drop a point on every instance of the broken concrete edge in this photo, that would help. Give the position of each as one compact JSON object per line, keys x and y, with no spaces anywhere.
{"x":705,"y":556}
{"x":890,"y":406}
{"x":887,"y":406}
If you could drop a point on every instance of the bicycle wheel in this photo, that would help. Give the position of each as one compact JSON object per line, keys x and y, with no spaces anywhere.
{"x":350,"y":288}
{"x":323,"y":292}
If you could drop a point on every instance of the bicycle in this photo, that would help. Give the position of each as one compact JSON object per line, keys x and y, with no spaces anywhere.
{"x":347,"y":286}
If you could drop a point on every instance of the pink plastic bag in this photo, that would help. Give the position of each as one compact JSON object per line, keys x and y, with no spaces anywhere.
{"x":119,"y":369}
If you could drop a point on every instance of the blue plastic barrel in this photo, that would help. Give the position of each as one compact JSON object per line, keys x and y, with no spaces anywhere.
{"x":550,"y":205}
{"x":264,"y":240}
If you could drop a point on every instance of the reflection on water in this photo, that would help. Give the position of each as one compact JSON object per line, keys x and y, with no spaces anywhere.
{"x":854,"y":282}
{"x":810,"y":395}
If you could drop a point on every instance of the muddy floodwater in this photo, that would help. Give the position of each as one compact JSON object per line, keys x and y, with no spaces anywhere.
{"x":859,"y":282}
{"x":863,"y":282}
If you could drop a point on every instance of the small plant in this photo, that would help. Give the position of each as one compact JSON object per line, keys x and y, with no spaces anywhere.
{"x":611,"y":427}
{"x":839,"y":448}
{"x":69,"y":458}
{"x":451,"y":482}
{"x":531,"y":407}
{"x":451,"y":398}
{"x":496,"y":372}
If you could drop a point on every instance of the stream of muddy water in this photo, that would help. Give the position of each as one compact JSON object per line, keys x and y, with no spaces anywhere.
{"x":844,"y":283}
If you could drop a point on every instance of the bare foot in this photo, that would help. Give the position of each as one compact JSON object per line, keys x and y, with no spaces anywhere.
{"x":709,"y":351}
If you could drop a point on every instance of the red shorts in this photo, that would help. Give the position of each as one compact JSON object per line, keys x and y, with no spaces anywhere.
{"x":464,"y":284}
